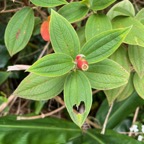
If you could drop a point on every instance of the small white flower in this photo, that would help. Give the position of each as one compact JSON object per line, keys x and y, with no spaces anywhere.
{"x":142,"y":128}
{"x":134,"y":128}
{"x":140,"y":138}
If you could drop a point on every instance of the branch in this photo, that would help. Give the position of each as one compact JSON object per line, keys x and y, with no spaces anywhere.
{"x":42,"y":115}
{"x":106,"y":119}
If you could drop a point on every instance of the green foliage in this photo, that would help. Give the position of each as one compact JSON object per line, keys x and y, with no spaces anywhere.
{"x":96,"y":24}
{"x":19,"y":30}
{"x":40,"y":88}
{"x":52,"y":65}
{"x":77,"y":89}
{"x":74,"y":11}
{"x":95,"y":51}
{"x":48,"y":3}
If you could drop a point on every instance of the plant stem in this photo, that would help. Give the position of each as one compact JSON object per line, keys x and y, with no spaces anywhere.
{"x":42,"y":115}
{"x":106,"y":119}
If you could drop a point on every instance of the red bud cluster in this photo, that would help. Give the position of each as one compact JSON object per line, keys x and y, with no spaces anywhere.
{"x":44,"y":30}
{"x":81,"y":62}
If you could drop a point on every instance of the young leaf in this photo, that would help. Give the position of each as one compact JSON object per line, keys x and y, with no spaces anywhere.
{"x":77,"y":93}
{"x":103,"y":45}
{"x":52,"y":65}
{"x":19,"y":30}
{"x":74,"y":11}
{"x":48,"y":3}
{"x":40,"y":88}
{"x":107,"y":74}
{"x":121,"y":56}
{"x":139,"y":85}
{"x":100,"y":4}
{"x":63,"y":36}
{"x":120,"y":93}
{"x":96,"y":24}
{"x":140,"y":16}
{"x":135,"y":36}
{"x":136,"y":56}
{"x":123,"y":8}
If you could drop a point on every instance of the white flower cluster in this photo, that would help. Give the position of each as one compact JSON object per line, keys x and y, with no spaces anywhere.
{"x":135,"y":129}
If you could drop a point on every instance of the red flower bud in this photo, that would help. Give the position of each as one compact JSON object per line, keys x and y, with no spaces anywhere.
{"x":44,"y":30}
{"x":81,"y":62}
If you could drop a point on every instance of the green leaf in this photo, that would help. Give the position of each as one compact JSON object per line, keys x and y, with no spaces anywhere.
{"x":123,"y":8}
{"x":127,"y":91}
{"x":139,"y":85}
{"x":103,"y":45}
{"x":136,"y":56}
{"x":96,"y":24}
{"x":40,"y":88}
{"x":40,"y":131}
{"x":121,"y":57}
{"x":100,"y":4}
{"x":120,"y":93}
{"x":77,"y":93}
{"x":120,"y":110}
{"x":19,"y":30}
{"x":135,"y":36}
{"x":3,"y":76}
{"x":74,"y":11}
{"x":4,"y":56}
{"x":52,"y":65}
{"x":140,"y":16}
{"x":48,"y":3}
{"x":81,"y":35}
{"x":107,"y":74}
{"x":63,"y":36}
{"x":110,"y":137}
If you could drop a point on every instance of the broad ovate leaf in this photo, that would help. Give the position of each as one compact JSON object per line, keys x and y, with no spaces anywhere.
{"x":3,"y":76}
{"x":123,"y":8}
{"x":48,"y":3}
{"x":139,"y":85}
{"x":100,"y":4}
{"x":52,"y":65}
{"x":63,"y":36}
{"x":121,"y":56}
{"x":103,"y":45}
{"x":77,"y":93}
{"x":19,"y":30}
{"x":96,"y":24}
{"x":136,"y":56}
{"x":74,"y":11}
{"x":135,"y":36}
{"x":81,"y":35}
{"x":120,"y":93}
{"x":107,"y":74}
{"x":36,"y":87}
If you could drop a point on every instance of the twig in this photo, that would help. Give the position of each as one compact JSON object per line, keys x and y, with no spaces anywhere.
{"x":42,"y":115}
{"x":9,"y":11}
{"x":18,"y":67}
{"x":95,"y":91}
{"x":134,"y":119}
{"x":106,"y":119}
{"x":5,"y":104}
{"x":44,"y":49}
